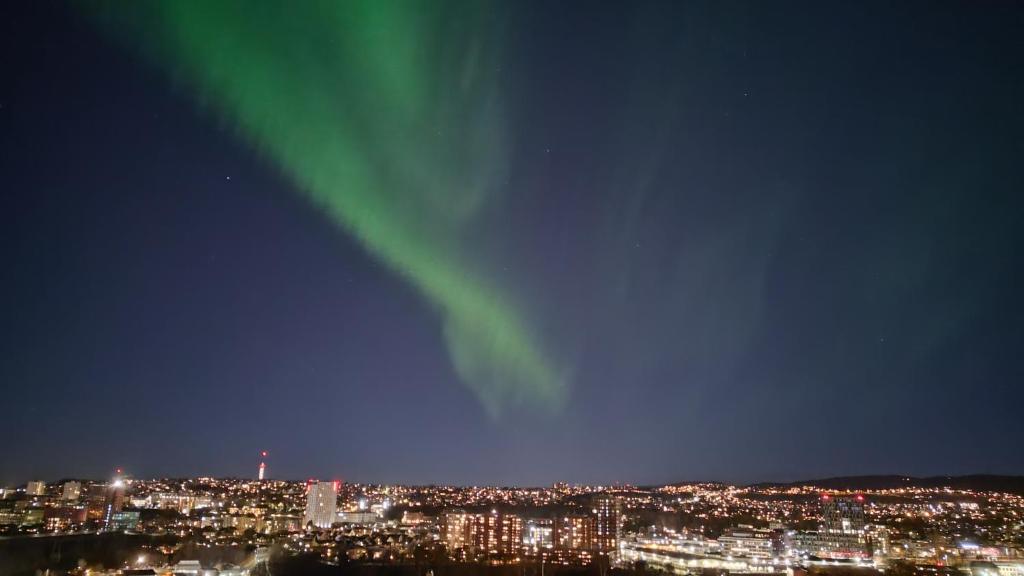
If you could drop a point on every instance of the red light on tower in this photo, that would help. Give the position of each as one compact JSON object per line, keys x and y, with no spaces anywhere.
{"x":263,"y":465}
{"x":860,"y":497}
{"x":824,"y":496}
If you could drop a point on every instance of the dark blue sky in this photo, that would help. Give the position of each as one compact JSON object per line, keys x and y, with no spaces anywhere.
{"x":767,"y":240}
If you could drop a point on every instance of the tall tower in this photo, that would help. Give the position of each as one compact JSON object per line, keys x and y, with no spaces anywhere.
{"x":115,"y":498}
{"x":608,"y":513}
{"x":321,"y":504}
{"x":263,"y":465}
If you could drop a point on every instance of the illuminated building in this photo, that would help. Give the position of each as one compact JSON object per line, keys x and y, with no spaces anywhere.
{"x":747,"y":541}
{"x":537,"y":534}
{"x":10,"y":517}
{"x":842,"y":529}
{"x":573,"y":532}
{"x":321,"y":504}
{"x":62,"y":518}
{"x":96,"y":501}
{"x":996,"y":568}
{"x":35,"y":488}
{"x":358,"y":517}
{"x":457,"y":529}
{"x":277,"y":523}
{"x":183,"y":503}
{"x":493,"y":533}
{"x":413,"y":517}
{"x":32,"y":516}
{"x":71,"y":492}
{"x":123,"y":520}
{"x":505,"y":534}
{"x":239,"y":522}
{"x":878,"y":538}
{"x":608,"y":516}
{"x":189,"y":567}
{"x":114,"y":502}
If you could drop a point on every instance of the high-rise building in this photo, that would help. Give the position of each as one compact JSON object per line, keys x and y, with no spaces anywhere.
{"x":537,"y":534}
{"x":504,"y":534}
{"x":35,"y":488}
{"x":573,"y":532}
{"x":493,"y":533}
{"x":458,"y":530}
{"x":842,"y":527}
{"x":321,"y":504}
{"x":114,"y":502}
{"x":71,"y":492}
{"x":608,"y":521}
{"x":878,"y":540}
{"x":96,"y":501}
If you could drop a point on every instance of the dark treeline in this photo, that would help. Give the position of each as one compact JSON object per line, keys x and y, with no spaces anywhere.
{"x":23,"y":555}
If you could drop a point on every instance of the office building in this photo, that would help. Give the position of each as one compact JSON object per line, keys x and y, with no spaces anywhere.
{"x":842,"y":528}
{"x":62,"y":518}
{"x":124,"y":520}
{"x":747,"y":542}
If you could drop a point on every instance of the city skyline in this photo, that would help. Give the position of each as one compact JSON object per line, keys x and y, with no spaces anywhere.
{"x":850,"y":484}
{"x":251,"y":527}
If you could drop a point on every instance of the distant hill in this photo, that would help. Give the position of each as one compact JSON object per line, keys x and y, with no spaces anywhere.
{"x":980,"y":482}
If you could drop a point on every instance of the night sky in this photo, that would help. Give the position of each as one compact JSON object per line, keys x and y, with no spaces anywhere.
{"x":511,"y":243}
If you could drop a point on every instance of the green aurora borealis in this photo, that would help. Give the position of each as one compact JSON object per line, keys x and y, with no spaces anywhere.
{"x":511,"y":242}
{"x":389,"y":118}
